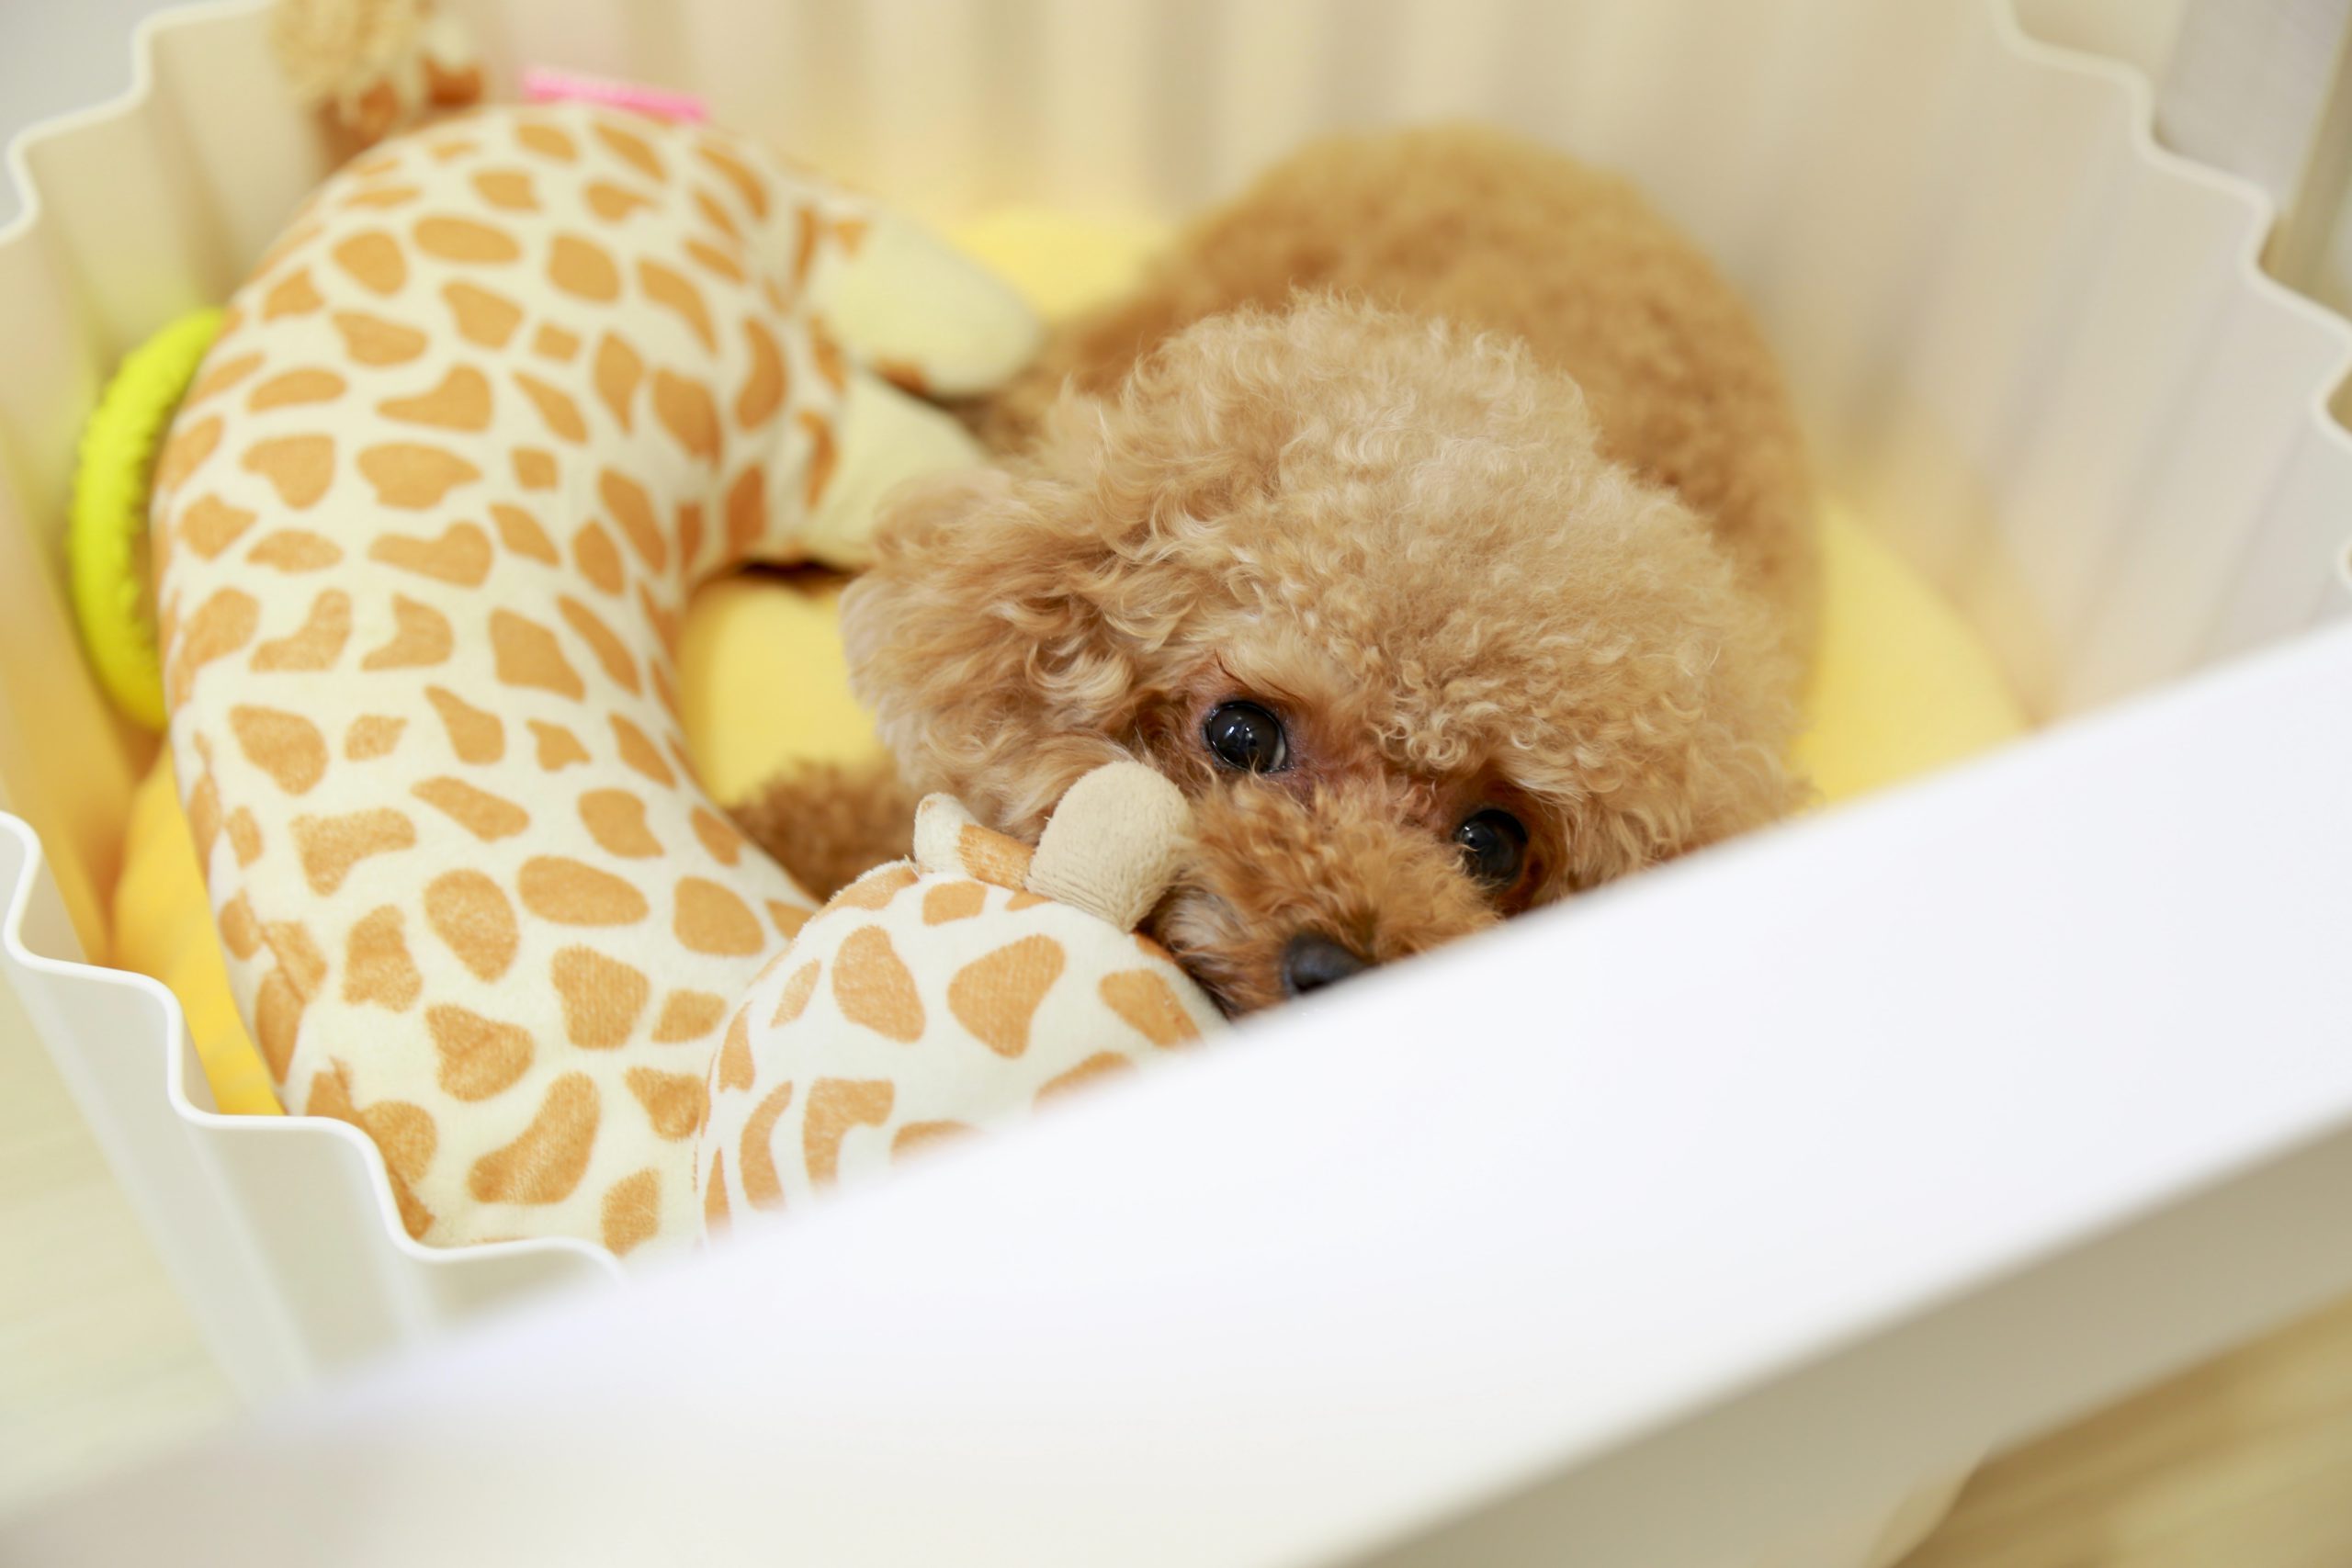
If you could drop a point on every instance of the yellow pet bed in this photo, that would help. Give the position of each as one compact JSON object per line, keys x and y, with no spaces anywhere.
{"x":1902,"y":686}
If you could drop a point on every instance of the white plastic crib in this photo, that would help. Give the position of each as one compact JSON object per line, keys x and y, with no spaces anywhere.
{"x":1714,"y":1213}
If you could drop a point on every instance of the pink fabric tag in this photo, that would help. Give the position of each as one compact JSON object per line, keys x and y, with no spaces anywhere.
{"x":542,"y":85}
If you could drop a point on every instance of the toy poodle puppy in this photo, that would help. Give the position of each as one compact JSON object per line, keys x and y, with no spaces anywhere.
{"x":1433,"y":515}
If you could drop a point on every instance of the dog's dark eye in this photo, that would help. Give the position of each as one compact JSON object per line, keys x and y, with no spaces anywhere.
{"x":1494,"y":847}
{"x":1246,"y":737}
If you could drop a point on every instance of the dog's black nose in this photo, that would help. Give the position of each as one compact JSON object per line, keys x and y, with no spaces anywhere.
{"x":1312,"y":962}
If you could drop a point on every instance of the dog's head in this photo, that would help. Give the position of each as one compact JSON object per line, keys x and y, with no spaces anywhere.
{"x":1367,"y":590}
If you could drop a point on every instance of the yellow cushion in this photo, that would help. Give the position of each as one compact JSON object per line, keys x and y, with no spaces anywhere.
{"x":1902,"y":685}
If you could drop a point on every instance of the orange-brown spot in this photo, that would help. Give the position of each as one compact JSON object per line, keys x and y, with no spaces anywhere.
{"x":461,"y":401}
{"x":876,"y":887}
{"x":611,"y":653}
{"x":244,"y":835}
{"x":376,"y":968}
{"x":716,"y":214}
{"x":721,"y":842}
{"x":293,"y":295}
{"x":616,"y":820}
{"x":787,"y":918}
{"x":461,"y":555}
{"x":240,"y":933}
{"x":997,"y":994}
{"x":733,"y":171}
{"x":478,"y":1056}
{"x":755,"y":1155}
{"x":476,"y":735}
{"x":583,"y":268}
{"x":603,"y":998}
{"x":521,"y":532}
{"x":640,"y":754}
{"x":688,"y":1015}
{"x":916,"y":1136}
{"x":421,"y":638}
{"x":611,"y":202}
{"x":1094,"y":1069}
{"x":992,"y":857}
{"x":711,"y":920}
{"x":294,"y":388}
{"x":631,"y":1214}
{"x":874,"y":988}
{"x":715,"y":1217}
{"x":295,"y":550}
{"x":735,"y":1068}
{"x":380,"y":197}
{"x":633,"y":510}
{"x":298,"y":468}
{"x":672,"y":291}
{"x":764,"y":385}
{"x":631,"y":149}
{"x":823,"y":457}
{"x":317,"y":643}
{"x":618,"y":370}
{"x":404,"y":1133}
{"x":1145,"y":1000}
{"x":285,"y":745}
{"x":747,"y":511}
{"x":371,"y":340}
{"x":551,"y":341}
{"x":545,"y":1162}
{"x":1025,"y":899}
{"x":372,"y":735}
{"x":330,"y":846}
{"x":534,"y":469}
{"x":689,"y":533}
{"x":835,"y":1106}
{"x":526,"y":655}
{"x":793,"y":999}
{"x":190,"y":444}
{"x":573,"y":893}
{"x":598,"y":558}
{"x":509,"y":189}
{"x":482,"y":316}
{"x":412,"y":476}
{"x":209,"y":525}
{"x":222,"y":624}
{"x":948,"y":901}
{"x":676,"y":1103}
{"x":558,"y":747}
{"x":479,"y":812}
{"x":472,"y":915}
{"x":464,"y":239}
{"x":684,"y":406}
{"x":547,"y":142}
{"x":555,"y":406}
{"x":373,"y":260}
{"x":711,"y":259}
{"x":833,"y":367}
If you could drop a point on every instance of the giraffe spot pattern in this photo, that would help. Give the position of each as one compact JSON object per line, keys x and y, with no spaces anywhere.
{"x":836,"y":1106}
{"x":476,"y":735}
{"x":459,"y":400}
{"x":688,"y":1015}
{"x":295,"y":550}
{"x":573,"y":893}
{"x":756,"y":1156}
{"x":997,"y":994}
{"x":616,"y":820}
{"x":285,"y":745}
{"x":298,"y":468}
{"x":486,"y":816}
{"x":483,"y":316}
{"x":460,"y":556}
{"x":603,"y":998}
{"x":631,"y":1214}
{"x":421,"y":639}
{"x":709,"y":919}
{"x":472,"y":915}
{"x":676,"y":1103}
{"x":372,"y":736}
{"x":545,"y":1161}
{"x":378,"y":970}
{"x":296,"y":389}
{"x":872,"y":987}
{"x":329,"y":847}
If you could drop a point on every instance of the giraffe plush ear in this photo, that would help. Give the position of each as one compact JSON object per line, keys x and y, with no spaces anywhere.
{"x":953,"y":992}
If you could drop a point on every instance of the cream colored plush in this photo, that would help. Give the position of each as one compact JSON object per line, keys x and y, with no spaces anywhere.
{"x":508,"y":388}
{"x":953,"y":992}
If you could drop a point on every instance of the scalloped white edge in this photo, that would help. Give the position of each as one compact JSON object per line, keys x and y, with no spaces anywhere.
{"x":2136,"y":101}
{"x":2260,"y":212}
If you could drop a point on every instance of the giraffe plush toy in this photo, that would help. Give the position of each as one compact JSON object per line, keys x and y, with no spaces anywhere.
{"x":957,"y":990}
{"x":505,"y":391}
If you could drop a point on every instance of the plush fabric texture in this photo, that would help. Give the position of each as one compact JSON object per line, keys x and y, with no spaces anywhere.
{"x":428,"y":521}
{"x":938,"y":995}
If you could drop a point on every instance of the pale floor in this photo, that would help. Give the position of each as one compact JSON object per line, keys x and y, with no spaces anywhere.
{"x":2243,"y":1464}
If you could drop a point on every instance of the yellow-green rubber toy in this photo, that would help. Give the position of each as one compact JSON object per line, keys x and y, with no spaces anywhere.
{"x":106,"y":537}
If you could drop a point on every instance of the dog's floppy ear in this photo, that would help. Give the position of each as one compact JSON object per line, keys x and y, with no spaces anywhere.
{"x":983,"y":640}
